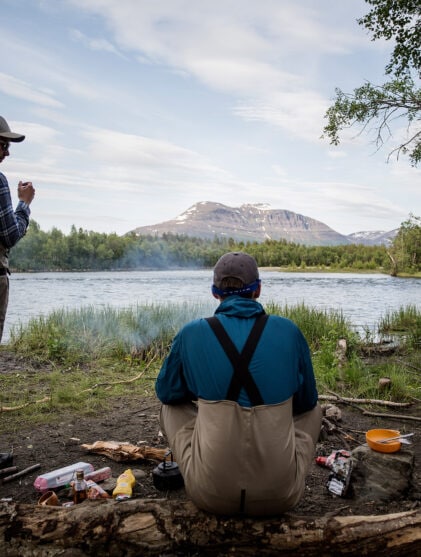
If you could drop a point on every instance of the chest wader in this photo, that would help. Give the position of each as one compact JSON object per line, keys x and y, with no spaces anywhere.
{"x":4,"y":260}
{"x":241,"y":378}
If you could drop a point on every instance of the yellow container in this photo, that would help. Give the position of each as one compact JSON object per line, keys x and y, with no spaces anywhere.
{"x":125,"y":484}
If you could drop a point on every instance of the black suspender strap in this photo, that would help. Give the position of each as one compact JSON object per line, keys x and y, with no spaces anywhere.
{"x":240,"y":362}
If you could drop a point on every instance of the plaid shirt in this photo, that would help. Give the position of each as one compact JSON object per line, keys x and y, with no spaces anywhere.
{"x":13,"y":224}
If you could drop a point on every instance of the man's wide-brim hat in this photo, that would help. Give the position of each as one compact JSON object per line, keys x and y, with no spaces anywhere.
{"x":6,"y":133}
{"x":237,"y":265}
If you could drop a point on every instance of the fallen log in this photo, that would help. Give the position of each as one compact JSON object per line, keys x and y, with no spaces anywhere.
{"x":161,"y":527}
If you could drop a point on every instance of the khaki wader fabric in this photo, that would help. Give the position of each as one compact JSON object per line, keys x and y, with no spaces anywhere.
{"x":242,"y":460}
{"x":4,"y":299}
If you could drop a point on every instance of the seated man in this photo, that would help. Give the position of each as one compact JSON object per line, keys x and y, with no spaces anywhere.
{"x":240,"y":408}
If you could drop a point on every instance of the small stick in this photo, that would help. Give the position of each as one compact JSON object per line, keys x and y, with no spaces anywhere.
{"x":396,"y":416}
{"x":21,"y":473}
{"x":9,"y":470}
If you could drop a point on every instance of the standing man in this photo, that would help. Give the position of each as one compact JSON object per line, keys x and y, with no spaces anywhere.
{"x":240,"y":408}
{"x":13,"y":224}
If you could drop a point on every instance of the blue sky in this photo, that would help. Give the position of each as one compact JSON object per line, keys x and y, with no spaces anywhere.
{"x":134,"y":110}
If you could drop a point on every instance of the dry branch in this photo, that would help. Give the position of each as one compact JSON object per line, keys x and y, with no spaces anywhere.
{"x":339,"y":398}
{"x":121,"y":452}
{"x":20,"y":473}
{"x":166,"y":527}
{"x":393,"y":416}
{"x":109,"y":384}
{"x":8,"y":470}
{"x":11,"y":408}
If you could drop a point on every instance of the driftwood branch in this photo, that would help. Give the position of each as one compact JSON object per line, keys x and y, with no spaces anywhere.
{"x":20,"y":406}
{"x":123,"y":452}
{"x":339,"y":398}
{"x":355,"y":401}
{"x":160,"y":527}
{"x":393,"y":416}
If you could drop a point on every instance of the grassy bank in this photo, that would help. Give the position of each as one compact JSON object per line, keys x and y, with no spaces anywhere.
{"x":82,"y":358}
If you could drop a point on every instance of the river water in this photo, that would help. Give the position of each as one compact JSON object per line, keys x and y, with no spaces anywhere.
{"x":362,"y":298}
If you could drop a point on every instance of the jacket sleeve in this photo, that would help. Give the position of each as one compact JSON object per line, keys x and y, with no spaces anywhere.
{"x":171,"y":387}
{"x":306,"y":397}
{"x":13,"y":224}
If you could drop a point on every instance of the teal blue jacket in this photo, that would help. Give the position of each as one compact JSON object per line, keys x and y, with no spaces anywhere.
{"x":197,"y":366}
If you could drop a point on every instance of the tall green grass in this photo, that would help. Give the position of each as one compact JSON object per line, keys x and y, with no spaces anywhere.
{"x":406,"y":322}
{"x":323,"y":329}
{"x":88,"y":334}
{"x":317,"y":325}
{"x":87,"y":354}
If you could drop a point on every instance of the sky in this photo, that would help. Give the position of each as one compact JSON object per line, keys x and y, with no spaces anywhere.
{"x":135,"y":110}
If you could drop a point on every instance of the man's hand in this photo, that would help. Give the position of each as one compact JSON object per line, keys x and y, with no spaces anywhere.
{"x":26,"y":192}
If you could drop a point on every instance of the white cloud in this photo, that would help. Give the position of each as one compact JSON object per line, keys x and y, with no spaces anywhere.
{"x":299,"y":113}
{"x":279,"y":170}
{"x":241,"y":48}
{"x":44,"y":73}
{"x":126,"y":151}
{"x":20,"y":89}
{"x":338,"y":154}
{"x":94,"y":44}
{"x":38,"y":133}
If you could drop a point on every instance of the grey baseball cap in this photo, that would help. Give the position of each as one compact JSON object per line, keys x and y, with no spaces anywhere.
{"x":236,"y":264}
{"x":5,"y":132}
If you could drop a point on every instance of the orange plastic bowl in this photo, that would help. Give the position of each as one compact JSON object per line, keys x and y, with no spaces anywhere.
{"x":373,"y":436}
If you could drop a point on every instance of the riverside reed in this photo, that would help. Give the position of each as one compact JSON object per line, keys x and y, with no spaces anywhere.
{"x":79,"y":359}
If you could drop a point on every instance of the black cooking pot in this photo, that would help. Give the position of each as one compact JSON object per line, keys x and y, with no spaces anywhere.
{"x":6,"y":459}
{"x":167,"y":476}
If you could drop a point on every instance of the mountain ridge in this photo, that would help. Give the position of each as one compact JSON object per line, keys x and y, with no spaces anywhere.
{"x":257,"y":223}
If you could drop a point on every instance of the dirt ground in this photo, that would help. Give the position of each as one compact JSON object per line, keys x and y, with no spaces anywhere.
{"x":135,"y":421}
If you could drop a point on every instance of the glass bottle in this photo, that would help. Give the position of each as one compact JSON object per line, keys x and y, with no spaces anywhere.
{"x":80,"y":488}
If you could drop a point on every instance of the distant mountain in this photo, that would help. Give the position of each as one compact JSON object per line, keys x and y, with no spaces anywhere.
{"x":249,"y":223}
{"x":253,"y":223}
{"x":373,"y":238}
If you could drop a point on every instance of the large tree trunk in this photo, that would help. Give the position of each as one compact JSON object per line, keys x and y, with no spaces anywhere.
{"x":140,"y":527}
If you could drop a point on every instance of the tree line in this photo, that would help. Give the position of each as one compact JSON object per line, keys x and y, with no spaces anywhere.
{"x":83,"y":250}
